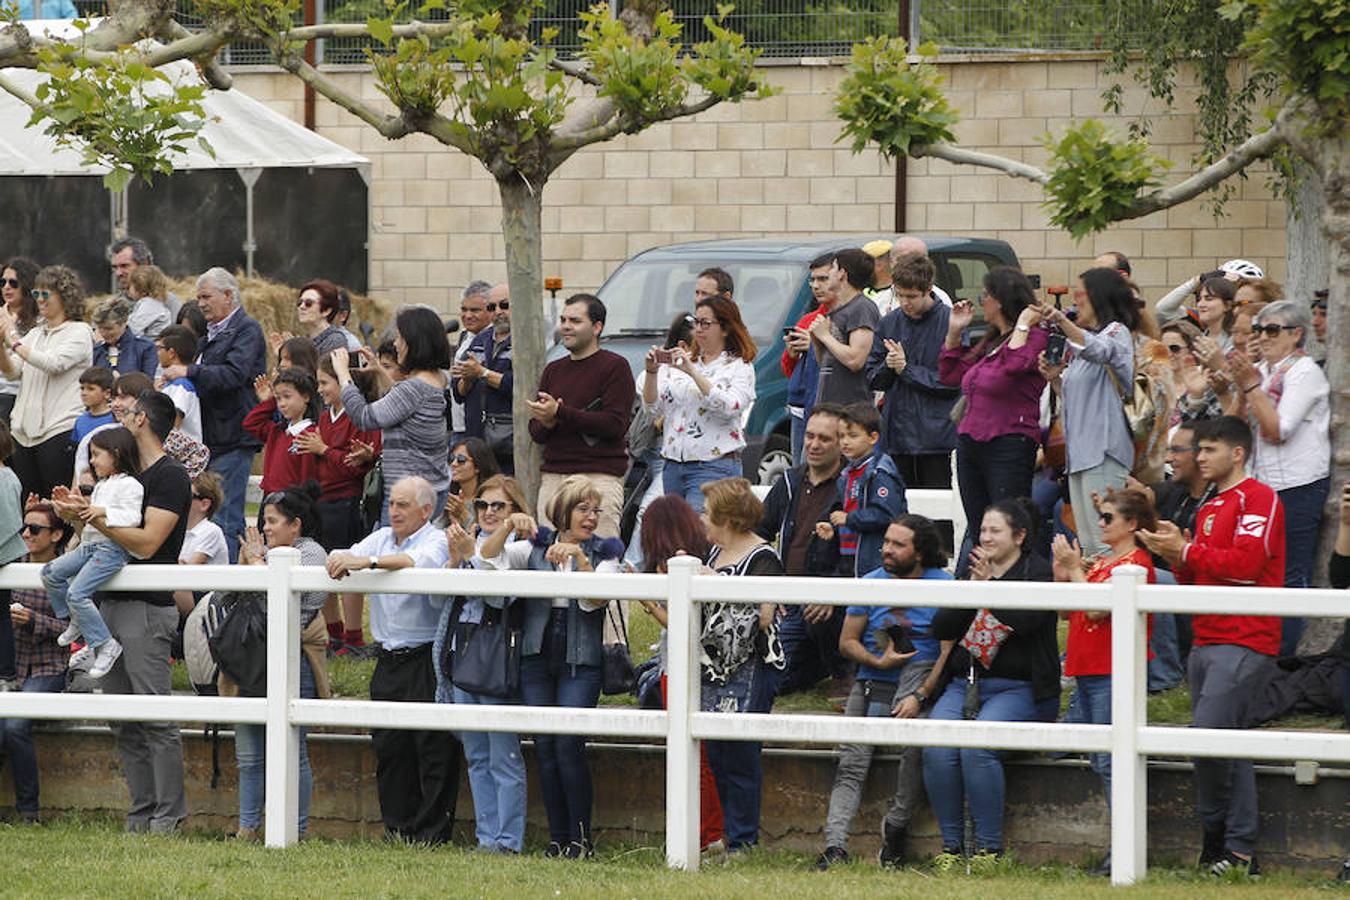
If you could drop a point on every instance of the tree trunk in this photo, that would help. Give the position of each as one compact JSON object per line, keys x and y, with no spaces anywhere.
{"x":521,"y":204}
{"x":1334,"y":167}
{"x":1308,"y":255}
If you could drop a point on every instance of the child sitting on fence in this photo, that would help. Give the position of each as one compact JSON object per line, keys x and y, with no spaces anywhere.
{"x":71,"y":580}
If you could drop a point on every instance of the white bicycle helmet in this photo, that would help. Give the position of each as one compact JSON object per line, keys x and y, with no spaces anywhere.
{"x":1242,"y":269}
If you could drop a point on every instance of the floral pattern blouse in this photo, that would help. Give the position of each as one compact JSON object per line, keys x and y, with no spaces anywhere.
{"x":700,"y":428}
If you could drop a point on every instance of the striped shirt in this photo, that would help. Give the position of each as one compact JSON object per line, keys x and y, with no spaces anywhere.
{"x":411,"y":421}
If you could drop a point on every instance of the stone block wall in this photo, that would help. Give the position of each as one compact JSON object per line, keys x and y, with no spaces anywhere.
{"x":772,"y":167}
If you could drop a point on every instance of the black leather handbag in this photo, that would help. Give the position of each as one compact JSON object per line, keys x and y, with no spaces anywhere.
{"x":486,"y":656}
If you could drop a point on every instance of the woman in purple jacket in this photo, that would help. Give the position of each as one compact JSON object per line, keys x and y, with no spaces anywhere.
{"x":1001,"y":385}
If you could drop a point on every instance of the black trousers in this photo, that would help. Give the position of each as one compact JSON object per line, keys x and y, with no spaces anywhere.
{"x":416,"y":772}
{"x":43,"y":466}
{"x":925,"y":470}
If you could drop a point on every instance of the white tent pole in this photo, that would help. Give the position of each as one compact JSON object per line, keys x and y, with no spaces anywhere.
{"x":250,"y":178}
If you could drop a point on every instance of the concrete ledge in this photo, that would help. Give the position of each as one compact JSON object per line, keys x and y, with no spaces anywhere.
{"x":1056,"y":811}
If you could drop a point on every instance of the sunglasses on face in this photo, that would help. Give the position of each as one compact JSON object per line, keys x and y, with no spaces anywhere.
{"x":493,"y":307}
{"x":10,"y":282}
{"x":1106,"y":518}
{"x":40,"y":295}
{"x":459,"y":459}
{"x":1272,"y":330}
{"x":493,"y":505}
{"x":33,"y":528}
{"x":306,"y":303}
{"x":1180,"y":448}
{"x":1176,"y":348}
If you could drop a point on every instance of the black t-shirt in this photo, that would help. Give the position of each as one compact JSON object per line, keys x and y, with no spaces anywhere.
{"x":167,"y":487}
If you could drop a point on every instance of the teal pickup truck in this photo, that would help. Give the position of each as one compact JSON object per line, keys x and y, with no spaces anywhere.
{"x":772,"y":290}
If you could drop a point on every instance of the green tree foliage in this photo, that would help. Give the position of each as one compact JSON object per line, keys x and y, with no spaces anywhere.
{"x":891,"y":101}
{"x":1304,"y":43}
{"x":1096,"y":179}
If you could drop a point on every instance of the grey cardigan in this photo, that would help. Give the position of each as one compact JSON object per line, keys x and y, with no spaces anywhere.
{"x":1094,"y":410}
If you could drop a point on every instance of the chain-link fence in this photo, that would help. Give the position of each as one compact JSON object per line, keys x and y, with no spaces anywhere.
{"x":786,"y":28}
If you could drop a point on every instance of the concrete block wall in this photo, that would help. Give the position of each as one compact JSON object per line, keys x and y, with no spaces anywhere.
{"x":772,"y":167}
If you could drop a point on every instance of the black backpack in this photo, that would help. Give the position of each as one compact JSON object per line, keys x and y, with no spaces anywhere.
{"x":238,"y":640}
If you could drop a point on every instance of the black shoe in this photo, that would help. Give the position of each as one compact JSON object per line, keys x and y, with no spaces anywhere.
{"x":1344,"y":877}
{"x":554,"y":850}
{"x":1231,"y":862}
{"x":1103,"y":868}
{"x":831,"y":857}
{"x":892,"y":855}
{"x":1211,"y":849}
{"x":581,"y":849}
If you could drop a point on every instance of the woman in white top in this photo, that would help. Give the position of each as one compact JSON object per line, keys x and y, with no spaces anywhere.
{"x":704,"y":398}
{"x":1290,"y":411}
{"x":561,"y":652}
{"x":48,"y":360}
{"x":16,"y":291}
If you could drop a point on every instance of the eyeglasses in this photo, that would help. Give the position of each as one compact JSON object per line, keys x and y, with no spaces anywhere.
{"x":504,"y":305}
{"x":34,"y":528}
{"x":196,"y":496}
{"x":1273,"y":330}
{"x":1180,"y":448}
{"x":590,"y":510}
{"x":493,"y":505}
{"x":459,"y":458}
{"x":10,"y":282}
{"x":701,"y":324}
{"x":305,"y":303}
{"x":1106,"y":518}
{"x":40,"y":295}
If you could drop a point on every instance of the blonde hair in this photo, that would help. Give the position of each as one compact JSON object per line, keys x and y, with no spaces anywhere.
{"x":148,"y":281}
{"x":732,"y":503}
{"x":574,"y":490}
{"x":508,"y":486}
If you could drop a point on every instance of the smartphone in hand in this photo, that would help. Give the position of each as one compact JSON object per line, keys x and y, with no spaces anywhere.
{"x":663,"y":357}
{"x":1054,"y":349}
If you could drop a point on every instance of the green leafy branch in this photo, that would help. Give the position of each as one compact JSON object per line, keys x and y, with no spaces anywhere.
{"x":887,"y":100}
{"x":119,"y":112}
{"x":1095,"y":179}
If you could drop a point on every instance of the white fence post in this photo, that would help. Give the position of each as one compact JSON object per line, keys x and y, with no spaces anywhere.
{"x":682,"y":698}
{"x":283,"y":685}
{"x":1129,"y":712}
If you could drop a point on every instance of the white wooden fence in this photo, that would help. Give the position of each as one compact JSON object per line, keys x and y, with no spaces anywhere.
{"x":1129,"y":739}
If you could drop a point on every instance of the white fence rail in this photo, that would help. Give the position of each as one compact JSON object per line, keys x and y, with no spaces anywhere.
{"x":1129,"y":739}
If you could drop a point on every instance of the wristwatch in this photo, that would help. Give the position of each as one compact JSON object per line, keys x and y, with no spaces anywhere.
{"x":1023,"y":327}
{"x":374,"y":562}
{"x":923,"y":698}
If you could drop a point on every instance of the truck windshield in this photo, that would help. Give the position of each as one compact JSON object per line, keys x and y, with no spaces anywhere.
{"x":643,"y":296}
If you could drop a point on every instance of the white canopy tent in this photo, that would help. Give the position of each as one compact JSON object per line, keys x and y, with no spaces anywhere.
{"x":248,"y":137}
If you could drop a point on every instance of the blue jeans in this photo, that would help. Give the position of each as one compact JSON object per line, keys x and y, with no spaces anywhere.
{"x":73,"y":578}
{"x":496,"y":779}
{"x":736,"y":765}
{"x":1094,"y":708}
{"x":686,"y":478}
{"x":233,"y":467}
{"x":974,"y":776}
{"x":812,"y":650}
{"x":250,"y":752}
{"x":16,"y":743}
{"x":564,"y":772}
{"x":797,"y":436}
{"x":1302,"y":519}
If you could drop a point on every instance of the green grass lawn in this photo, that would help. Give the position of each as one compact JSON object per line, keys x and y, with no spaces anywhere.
{"x":93,"y":857}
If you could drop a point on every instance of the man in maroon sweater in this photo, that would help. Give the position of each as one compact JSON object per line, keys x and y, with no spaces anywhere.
{"x":581,"y":413}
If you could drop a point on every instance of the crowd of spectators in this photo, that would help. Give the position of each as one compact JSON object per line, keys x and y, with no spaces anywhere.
{"x":1084,"y":438}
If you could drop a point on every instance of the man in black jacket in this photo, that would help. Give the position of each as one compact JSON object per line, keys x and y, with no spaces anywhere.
{"x":800,"y":498}
{"x":231,"y":355}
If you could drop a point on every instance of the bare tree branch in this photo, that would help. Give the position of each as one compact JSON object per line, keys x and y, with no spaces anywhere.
{"x":392,"y":127}
{"x":17,"y":90}
{"x":360,"y":29}
{"x":212,"y":71}
{"x":574,"y":140}
{"x":575,"y":70}
{"x":961,"y":155}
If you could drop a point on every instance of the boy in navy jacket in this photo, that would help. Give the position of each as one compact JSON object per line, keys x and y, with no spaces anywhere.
{"x":871,"y":493}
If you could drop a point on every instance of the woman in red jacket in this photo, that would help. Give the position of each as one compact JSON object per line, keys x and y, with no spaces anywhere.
{"x":1121,"y":515}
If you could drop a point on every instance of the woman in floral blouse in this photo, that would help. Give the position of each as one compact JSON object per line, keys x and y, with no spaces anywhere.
{"x":704,"y":397}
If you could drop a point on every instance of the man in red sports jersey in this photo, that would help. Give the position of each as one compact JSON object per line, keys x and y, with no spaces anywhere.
{"x":1239,"y":540}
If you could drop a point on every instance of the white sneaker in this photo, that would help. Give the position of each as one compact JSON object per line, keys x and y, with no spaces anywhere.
{"x":82,"y":657}
{"x":104,"y":657}
{"x":69,"y":636}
